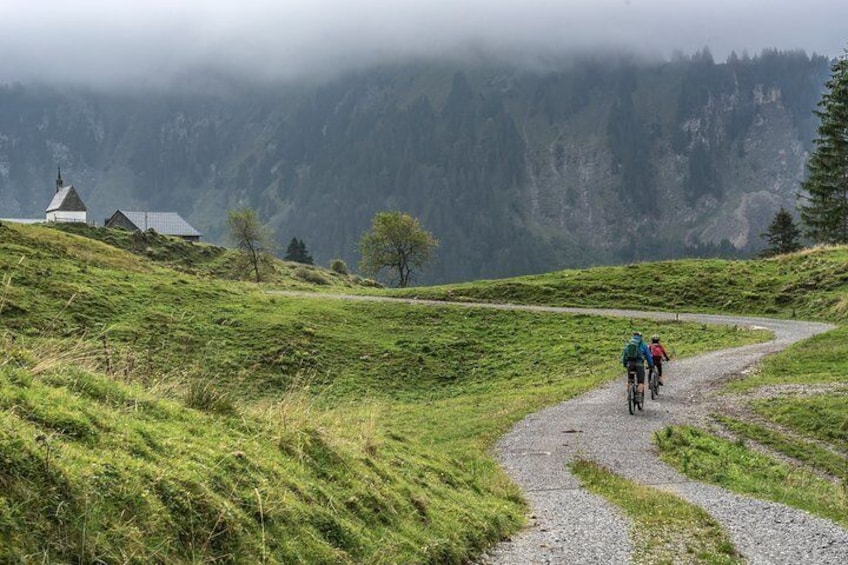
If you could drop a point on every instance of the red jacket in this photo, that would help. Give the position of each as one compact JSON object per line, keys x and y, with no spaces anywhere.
{"x":658,"y":351}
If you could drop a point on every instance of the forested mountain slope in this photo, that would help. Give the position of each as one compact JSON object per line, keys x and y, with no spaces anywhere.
{"x":514,"y":171}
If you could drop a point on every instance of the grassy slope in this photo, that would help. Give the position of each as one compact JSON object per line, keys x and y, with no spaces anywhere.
{"x":808,"y":284}
{"x":216,"y":262}
{"x":153,"y":415}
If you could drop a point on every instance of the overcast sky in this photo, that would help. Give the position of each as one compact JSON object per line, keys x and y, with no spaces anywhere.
{"x":102,"y":42}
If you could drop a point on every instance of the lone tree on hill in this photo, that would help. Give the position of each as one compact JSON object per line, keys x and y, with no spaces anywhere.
{"x":398,"y":244}
{"x":783,"y":235}
{"x":252,"y":238}
{"x":296,"y":251}
{"x":825,"y":213}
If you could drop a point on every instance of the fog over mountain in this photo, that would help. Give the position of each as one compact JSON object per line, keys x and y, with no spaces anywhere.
{"x":520,"y":133}
{"x":151,"y":43}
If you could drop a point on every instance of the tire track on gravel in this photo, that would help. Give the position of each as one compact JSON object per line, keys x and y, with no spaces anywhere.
{"x":569,"y":525}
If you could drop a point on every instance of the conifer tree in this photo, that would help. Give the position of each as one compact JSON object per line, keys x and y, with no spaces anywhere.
{"x":783,"y":235}
{"x":292,"y":250}
{"x":303,"y":254}
{"x":825,"y":210}
{"x":296,"y":251}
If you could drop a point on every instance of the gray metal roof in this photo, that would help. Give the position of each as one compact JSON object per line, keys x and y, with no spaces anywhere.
{"x":166,"y":223}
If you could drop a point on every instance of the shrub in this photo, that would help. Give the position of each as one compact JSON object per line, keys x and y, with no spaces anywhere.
{"x":370,"y":283}
{"x":311,"y":276}
{"x":339,"y":266}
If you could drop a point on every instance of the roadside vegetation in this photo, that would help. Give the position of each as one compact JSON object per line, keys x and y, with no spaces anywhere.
{"x":666,"y":528}
{"x":149,"y":414}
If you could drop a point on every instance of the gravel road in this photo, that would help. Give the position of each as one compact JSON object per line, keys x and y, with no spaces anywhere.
{"x":569,"y":525}
{"x":596,"y":426}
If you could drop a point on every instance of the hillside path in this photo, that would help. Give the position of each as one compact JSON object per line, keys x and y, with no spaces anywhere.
{"x":570,"y":525}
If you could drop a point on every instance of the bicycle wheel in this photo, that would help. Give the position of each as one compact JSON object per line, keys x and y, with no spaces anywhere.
{"x":631,"y":398}
{"x":640,"y":400}
{"x":655,"y":386}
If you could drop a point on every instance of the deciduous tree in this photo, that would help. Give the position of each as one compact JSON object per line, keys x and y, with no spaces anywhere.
{"x":253,"y":239}
{"x":396,"y":243}
{"x":824,"y":207}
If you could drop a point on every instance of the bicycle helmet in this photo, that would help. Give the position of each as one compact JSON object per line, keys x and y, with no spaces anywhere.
{"x":637,"y":334}
{"x":655,"y":339}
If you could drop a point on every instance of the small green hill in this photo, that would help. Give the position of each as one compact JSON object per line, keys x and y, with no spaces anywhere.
{"x":214,"y":261}
{"x":152,"y":415}
{"x":811,"y":284}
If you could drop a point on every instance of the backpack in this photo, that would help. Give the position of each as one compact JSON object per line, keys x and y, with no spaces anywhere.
{"x":631,"y":352}
{"x":656,"y":350}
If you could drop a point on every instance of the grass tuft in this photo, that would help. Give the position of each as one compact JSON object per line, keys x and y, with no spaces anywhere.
{"x":204,"y":395}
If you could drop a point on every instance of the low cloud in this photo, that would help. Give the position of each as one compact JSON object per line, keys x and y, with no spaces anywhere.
{"x":129,"y":42}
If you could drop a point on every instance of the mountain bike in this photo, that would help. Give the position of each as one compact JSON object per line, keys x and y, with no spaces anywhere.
{"x":634,"y":399}
{"x":654,"y":382}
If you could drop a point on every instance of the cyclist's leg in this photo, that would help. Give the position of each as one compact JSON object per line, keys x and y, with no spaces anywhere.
{"x":640,"y":377}
{"x":658,"y":363}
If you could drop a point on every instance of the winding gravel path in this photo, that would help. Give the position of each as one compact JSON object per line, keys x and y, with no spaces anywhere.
{"x":569,"y":525}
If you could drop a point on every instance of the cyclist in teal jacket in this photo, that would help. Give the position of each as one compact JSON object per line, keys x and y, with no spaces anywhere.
{"x":634,"y":357}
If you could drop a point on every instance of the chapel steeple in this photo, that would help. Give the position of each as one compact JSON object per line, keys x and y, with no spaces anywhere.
{"x":59,"y":182}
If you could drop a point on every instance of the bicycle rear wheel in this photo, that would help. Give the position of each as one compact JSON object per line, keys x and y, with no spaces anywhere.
{"x":655,"y":386}
{"x":631,"y":398}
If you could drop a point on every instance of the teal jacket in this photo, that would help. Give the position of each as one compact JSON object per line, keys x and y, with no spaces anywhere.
{"x":644,"y":352}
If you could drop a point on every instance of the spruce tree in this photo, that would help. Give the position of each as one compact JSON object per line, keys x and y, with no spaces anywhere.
{"x":296,"y":251}
{"x":825,"y":212}
{"x":302,"y":254}
{"x":783,"y":235}
{"x":292,"y":251}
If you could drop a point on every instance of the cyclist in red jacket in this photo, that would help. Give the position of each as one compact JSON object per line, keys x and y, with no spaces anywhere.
{"x":658,"y":354}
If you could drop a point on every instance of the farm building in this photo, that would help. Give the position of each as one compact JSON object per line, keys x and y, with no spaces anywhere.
{"x":165,"y":223}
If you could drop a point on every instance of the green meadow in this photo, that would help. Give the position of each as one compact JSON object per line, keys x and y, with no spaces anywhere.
{"x":155,"y":409}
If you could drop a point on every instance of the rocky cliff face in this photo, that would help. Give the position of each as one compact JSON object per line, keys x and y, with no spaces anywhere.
{"x":514,"y":171}
{"x":710,"y":170}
